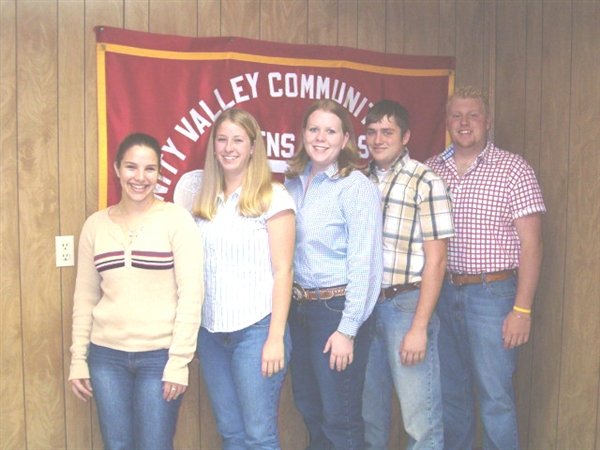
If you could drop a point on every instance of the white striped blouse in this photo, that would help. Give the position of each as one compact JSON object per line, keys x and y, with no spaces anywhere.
{"x":237,"y":264}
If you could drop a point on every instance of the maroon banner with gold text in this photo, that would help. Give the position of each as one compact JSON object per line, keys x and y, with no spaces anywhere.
{"x":174,"y":88}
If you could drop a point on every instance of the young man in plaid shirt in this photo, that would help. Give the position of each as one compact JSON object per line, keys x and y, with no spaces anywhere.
{"x":484,"y":307}
{"x":417,"y":222}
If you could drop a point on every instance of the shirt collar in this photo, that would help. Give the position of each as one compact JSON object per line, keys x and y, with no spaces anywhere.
{"x":401,"y":161}
{"x":488,"y":155}
{"x":398,"y":164}
{"x":235,"y":194}
{"x":331,"y":172}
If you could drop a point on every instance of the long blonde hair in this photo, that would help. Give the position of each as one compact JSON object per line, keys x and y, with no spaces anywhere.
{"x":257,"y":189}
{"x":349,"y":157}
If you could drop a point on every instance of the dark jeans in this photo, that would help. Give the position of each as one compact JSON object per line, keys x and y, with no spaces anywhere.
{"x":329,"y":401}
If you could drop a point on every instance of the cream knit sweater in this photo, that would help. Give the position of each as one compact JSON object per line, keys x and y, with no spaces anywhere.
{"x":139,"y":296}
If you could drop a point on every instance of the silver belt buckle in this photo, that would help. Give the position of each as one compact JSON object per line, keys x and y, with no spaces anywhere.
{"x":298,"y":293}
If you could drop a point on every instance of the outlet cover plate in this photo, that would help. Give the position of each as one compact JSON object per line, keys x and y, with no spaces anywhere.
{"x":65,"y":251}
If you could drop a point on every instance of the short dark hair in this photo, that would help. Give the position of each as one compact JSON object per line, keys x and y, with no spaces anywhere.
{"x":389,"y":109}
{"x":134,"y":139}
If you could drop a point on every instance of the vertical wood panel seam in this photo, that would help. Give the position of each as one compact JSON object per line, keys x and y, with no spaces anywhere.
{"x":260,"y":8}
{"x":86,"y":145}
{"x":307,"y":22}
{"x":19,"y":239}
{"x":562,"y":322}
{"x":490,"y":19}
{"x":559,"y":380}
{"x":567,"y":222}
{"x":16,"y":224}
{"x":337,"y":29}
{"x":537,"y":165}
{"x":385,"y":27}
{"x":439,"y":5}
{"x":455,"y":38}
{"x":402,"y":25}
{"x":356,"y":26}
{"x":61,"y":286}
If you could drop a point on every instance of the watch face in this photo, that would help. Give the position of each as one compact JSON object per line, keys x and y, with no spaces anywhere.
{"x":298,"y":292}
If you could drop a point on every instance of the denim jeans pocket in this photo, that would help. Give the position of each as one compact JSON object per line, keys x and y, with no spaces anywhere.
{"x":503,"y":289}
{"x":406,"y":303}
{"x":335,"y":305}
{"x":265,"y":322}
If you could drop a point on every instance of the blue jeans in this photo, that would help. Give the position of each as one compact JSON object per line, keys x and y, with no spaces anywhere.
{"x":472,"y":359}
{"x":330,"y":401}
{"x":418,"y":387}
{"x":128,"y":395}
{"x":244,"y":402}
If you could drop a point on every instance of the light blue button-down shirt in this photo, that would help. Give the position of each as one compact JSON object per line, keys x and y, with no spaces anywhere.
{"x":338,"y":239}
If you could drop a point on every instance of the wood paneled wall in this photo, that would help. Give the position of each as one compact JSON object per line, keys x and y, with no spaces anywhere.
{"x":540,"y":62}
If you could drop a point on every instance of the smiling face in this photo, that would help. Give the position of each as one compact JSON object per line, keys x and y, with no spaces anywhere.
{"x":468,"y":123}
{"x":138,"y":173}
{"x":232,"y":148}
{"x":385,"y":141}
{"x":324,"y":139}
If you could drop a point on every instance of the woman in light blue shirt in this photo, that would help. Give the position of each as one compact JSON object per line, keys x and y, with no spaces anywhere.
{"x":247,"y":223}
{"x":337,"y":271}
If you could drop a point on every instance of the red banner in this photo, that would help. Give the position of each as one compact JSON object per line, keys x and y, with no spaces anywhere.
{"x":173,"y":88}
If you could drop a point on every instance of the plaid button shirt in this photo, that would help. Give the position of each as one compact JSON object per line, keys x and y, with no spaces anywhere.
{"x":416,"y":208}
{"x":498,"y":188}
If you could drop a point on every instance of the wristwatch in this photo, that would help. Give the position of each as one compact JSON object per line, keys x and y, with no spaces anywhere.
{"x":347,"y":335}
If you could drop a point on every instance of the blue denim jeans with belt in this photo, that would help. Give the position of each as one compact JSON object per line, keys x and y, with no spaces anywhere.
{"x":330,"y":401}
{"x":472,"y":359}
{"x":244,"y":402}
{"x":128,"y":393}
{"x":417,"y":386}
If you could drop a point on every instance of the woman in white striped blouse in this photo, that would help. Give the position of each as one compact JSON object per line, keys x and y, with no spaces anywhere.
{"x":248,"y":226}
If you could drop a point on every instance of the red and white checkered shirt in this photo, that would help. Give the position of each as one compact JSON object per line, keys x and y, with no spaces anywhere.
{"x":498,"y":188}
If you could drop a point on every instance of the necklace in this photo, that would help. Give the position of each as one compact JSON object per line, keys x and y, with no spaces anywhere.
{"x":133,"y":233}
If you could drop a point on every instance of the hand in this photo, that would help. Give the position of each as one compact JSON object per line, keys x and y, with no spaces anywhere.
{"x":516,"y":329}
{"x":413,"y":347}
{"x":342,"y":351}
{"x":273,"y":357}
{"x":172,"y":390}
{"x":82,"y":389}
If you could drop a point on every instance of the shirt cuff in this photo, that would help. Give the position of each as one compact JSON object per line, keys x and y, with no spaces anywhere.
{"x":348,"y":326}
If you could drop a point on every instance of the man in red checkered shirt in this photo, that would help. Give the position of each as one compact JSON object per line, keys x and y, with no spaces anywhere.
{"x":492,"y":273}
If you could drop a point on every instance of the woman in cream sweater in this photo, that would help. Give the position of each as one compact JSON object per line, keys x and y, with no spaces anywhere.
{"x":137,"y":306}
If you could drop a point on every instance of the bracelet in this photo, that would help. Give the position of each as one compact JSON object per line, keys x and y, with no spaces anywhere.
{"x":523,"y":310}
{"x":521,"y":317}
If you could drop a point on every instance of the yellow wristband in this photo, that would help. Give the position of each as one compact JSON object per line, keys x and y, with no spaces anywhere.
{"x":523,"y":310}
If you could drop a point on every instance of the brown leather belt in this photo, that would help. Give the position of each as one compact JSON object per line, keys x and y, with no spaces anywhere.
{"x":302,"y":295}
{"x":490,"y":277}
{"x":396,"y":289}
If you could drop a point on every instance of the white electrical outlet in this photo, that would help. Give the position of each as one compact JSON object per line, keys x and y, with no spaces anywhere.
{"x":65,"y":251}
